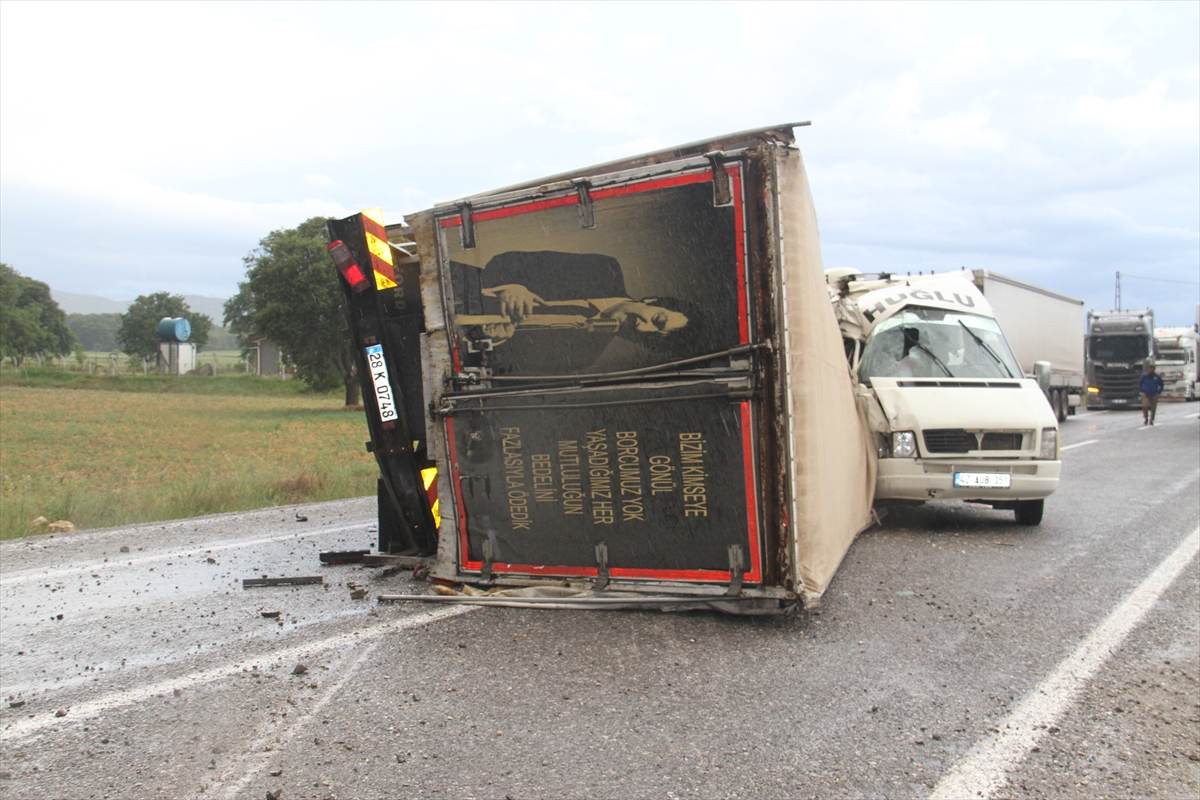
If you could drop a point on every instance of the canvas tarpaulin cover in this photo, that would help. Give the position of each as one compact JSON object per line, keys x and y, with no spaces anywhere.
{"x":832,"y":459}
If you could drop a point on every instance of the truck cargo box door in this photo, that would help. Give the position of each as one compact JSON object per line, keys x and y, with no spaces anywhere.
{"x":576,"y":451}
{"x":662,"y":476}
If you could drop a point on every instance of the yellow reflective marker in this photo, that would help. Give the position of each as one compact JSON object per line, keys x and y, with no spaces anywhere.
{"x":428,"y":476}
{"x":379,"y":248}
{"x":374,"y":214}
{"x":383,"y":281}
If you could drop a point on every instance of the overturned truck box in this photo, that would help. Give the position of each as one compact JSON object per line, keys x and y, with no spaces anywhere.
{"x":617,"y":386}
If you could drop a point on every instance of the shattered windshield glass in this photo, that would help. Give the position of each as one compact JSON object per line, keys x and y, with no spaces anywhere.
{"x":936,"y":343}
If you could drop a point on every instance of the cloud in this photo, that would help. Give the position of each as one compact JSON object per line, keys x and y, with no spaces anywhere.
{"x":1148,"y":112}
{"x":1055,"y":140}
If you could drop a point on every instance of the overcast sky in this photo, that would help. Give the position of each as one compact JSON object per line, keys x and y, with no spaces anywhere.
{"x":148,"y":147}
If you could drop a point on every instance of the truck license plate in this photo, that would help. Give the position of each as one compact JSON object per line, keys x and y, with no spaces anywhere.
{"x":383,"y":387}
{"x":983,"y":480}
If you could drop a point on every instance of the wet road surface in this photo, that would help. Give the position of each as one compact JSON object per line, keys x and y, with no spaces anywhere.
{"x":939,"y":626}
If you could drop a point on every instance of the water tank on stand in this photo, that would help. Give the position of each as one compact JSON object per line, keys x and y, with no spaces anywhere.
{"x":176,"y":355}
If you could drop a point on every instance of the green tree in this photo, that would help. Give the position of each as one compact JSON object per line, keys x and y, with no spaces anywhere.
{"x":138,"y":334}
{"x":95,"y":331}
{"x":292,"y":297}
{"x":31,"y":323}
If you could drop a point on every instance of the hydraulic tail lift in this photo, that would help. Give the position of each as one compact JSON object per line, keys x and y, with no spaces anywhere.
{"x":385,"y":323}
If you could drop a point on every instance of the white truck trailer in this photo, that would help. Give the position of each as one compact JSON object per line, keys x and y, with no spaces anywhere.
{"x":1045,"y":331}
{"x":953,"y":411}
{"x":1175,"y":360}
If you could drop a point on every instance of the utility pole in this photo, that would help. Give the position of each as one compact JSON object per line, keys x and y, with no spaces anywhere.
{"x":1118,"y":296}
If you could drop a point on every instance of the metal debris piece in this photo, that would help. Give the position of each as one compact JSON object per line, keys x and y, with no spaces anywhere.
{"x":295,"y":580}
{"x":270,"y":614}
{"x":342,"y":556}
{"x":380,"y":560}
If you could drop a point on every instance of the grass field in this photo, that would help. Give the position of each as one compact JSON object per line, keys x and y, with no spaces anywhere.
{"x":100,"y":451}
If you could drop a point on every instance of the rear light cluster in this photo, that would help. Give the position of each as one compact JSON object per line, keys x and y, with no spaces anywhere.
{"x":346,"y":265}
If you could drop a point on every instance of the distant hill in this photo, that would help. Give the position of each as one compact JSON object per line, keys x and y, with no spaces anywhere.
{"x":88,"y":303}
{"x":213,"y":306}
{"x":73,"y":303}
{"x":99,"y":332}
{"x":95,"y":320}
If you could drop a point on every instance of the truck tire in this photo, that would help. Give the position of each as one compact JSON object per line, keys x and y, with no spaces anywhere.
{"x":1029,"y":512}
{"x":1060,"y":405}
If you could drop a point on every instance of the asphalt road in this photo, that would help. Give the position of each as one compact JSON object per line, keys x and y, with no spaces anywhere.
{"x":940,"y":651}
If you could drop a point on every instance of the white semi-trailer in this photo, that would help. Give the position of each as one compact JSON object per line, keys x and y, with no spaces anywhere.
{"x":1045,"y":331}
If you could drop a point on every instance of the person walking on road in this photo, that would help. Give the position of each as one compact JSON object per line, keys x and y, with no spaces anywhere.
{"x":1150,"y":385}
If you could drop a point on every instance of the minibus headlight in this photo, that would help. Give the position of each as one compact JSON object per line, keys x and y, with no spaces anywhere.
{"x":904,"y":444}
{"x":1049,"y":449}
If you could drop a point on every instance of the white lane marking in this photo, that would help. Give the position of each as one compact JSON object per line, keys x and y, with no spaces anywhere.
{"x":118,"y":561}
{"x":66,"y":682}
{"x":23,"y":728}
{"x":257,"y":753}
{"x":983,"y":772}
{"x":1079,"y":444}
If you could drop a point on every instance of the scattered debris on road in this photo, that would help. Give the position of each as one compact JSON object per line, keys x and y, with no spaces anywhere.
{"x":342,"y":556}
{"x":380,"y":560}
{"x":294,"y":580}
{"x":299,"y":669}
{"x":358,"y":594}
{"x":270,"y":614}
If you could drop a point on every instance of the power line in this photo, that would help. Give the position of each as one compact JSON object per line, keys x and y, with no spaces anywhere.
{"x":1163,"y":280}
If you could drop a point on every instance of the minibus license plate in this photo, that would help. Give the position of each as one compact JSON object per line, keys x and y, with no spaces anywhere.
{"x":983,"y":480}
